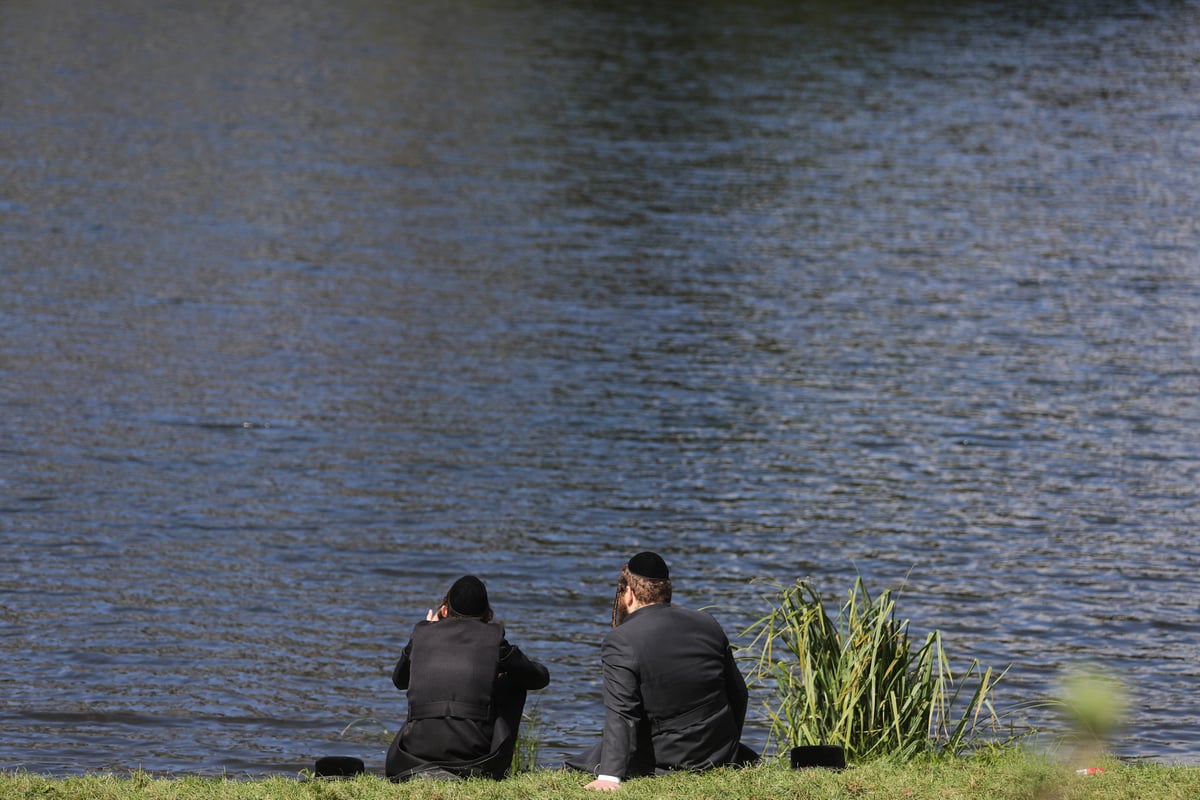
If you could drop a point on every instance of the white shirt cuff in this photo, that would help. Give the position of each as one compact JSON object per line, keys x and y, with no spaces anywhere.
{"x":608,"y":778}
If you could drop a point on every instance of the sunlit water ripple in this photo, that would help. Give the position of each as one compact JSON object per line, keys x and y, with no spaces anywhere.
{"x":311,"y":310}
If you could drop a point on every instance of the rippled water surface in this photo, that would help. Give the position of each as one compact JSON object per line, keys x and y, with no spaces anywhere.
{"x":307,"y":308}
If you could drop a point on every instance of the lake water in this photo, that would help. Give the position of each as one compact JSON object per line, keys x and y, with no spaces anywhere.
{"x":308,"y":308}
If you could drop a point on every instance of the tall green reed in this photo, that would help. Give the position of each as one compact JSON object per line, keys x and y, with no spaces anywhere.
{"x":529,"y":741}
{"x":859,"y":681}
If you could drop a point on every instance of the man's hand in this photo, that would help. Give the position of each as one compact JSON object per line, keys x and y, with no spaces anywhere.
{"x":603,"y":786}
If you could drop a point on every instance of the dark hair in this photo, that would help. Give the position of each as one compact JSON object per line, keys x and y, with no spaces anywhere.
{"x":646,"y":590}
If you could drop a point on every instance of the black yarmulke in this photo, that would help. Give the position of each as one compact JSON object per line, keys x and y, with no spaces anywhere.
{"x":649,"y":565}
{"x":468,"y":597}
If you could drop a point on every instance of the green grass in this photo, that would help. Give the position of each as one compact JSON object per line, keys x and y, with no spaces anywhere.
{"x":1003,"y":775}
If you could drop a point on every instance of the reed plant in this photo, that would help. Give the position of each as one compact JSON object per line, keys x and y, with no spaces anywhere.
{"x":859,"y":681}
{"x":529,"y":743}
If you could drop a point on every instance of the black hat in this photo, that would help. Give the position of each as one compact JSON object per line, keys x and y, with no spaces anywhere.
{"x":649,"y":565}
{"x":468,"y":597}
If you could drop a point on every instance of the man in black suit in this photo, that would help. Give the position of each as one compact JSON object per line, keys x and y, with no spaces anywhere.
{"x":673,"y":695}
{"x":466,"y":691}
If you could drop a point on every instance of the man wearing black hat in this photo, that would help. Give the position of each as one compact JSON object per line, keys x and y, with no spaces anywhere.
{"x":466,"y":691}
{"x":673,"y":695}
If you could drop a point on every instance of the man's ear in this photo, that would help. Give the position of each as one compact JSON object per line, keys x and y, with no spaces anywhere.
{"x":443,"y":612}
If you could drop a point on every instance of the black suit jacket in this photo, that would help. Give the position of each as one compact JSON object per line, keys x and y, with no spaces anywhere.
{"x":673,"y":695}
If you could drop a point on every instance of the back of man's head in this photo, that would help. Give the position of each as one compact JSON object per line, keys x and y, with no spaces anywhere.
{"x":648,"y":576}
{"x":468,"y":598}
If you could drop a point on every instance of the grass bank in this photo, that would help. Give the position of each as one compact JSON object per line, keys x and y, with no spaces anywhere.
{"x":1005,"y":776}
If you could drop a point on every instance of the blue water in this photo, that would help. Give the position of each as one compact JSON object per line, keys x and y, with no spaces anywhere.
{"x":306,"y":310}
